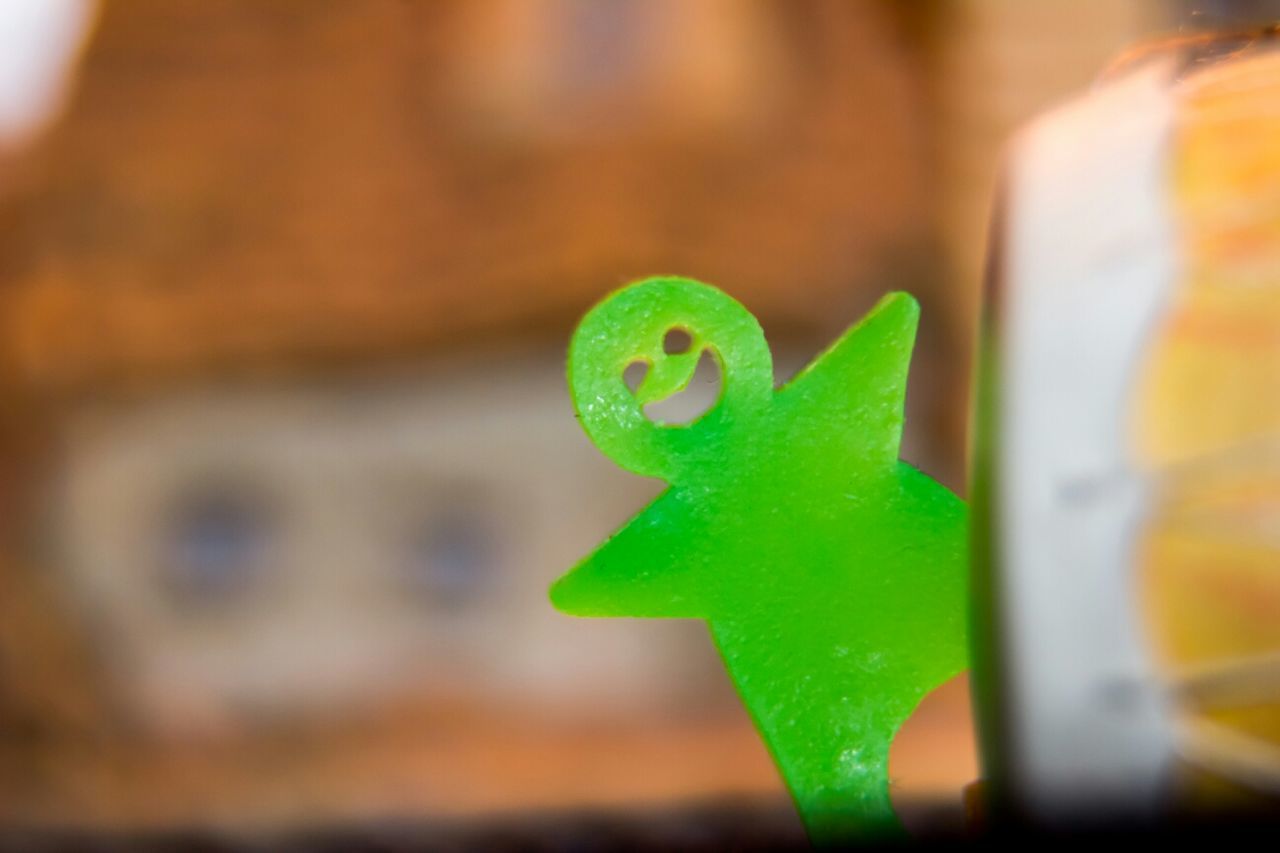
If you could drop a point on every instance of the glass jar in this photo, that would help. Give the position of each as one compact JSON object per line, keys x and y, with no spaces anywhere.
{"x":1127,"y":456}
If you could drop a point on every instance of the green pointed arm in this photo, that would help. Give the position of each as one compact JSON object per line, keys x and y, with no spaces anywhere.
{"x":884,"y":338}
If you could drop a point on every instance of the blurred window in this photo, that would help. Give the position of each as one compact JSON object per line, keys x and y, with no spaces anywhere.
{"x":213,"y":547}
{"x":451,"y":558}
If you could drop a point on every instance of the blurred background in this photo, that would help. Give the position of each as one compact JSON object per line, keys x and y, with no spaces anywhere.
{"x":287,"y":458}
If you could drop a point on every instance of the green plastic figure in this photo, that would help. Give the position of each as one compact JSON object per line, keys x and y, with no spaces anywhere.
{"x":831,"y":574}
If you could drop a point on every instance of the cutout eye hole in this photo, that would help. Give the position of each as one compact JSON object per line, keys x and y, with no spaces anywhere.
{"x":676,"y":341}
{"x":634,"y":374}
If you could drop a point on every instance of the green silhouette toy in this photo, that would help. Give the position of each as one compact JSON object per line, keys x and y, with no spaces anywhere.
{"x":831,"y":574}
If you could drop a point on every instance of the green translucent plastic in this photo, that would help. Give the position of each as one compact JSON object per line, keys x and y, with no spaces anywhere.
{"x":831,"y":574}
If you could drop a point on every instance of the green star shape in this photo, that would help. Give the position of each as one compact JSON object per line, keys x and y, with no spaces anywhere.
{"x":831,"y":574}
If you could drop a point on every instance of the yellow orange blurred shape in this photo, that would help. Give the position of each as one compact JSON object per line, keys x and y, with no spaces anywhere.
{"x":1207,"y":422}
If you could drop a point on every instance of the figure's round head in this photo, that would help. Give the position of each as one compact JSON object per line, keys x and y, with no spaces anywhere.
{"x":665,"y":324}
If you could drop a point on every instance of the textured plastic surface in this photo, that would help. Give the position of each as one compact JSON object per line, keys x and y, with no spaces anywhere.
{"x":832,"y":575}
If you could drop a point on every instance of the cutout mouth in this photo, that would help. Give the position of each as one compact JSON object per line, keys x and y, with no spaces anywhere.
{"x":666,"y":376}
{"x":694,"y":397}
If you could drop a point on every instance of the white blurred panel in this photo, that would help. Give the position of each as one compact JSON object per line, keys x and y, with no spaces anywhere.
{"x":39,"y":42}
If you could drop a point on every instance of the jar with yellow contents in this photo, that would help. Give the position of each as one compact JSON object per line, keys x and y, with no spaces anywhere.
{"x":1207,"y":426}
{"x":1127,"y":455}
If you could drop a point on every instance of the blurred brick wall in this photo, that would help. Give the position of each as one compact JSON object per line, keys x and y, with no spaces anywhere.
{"x":245,"y":183}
